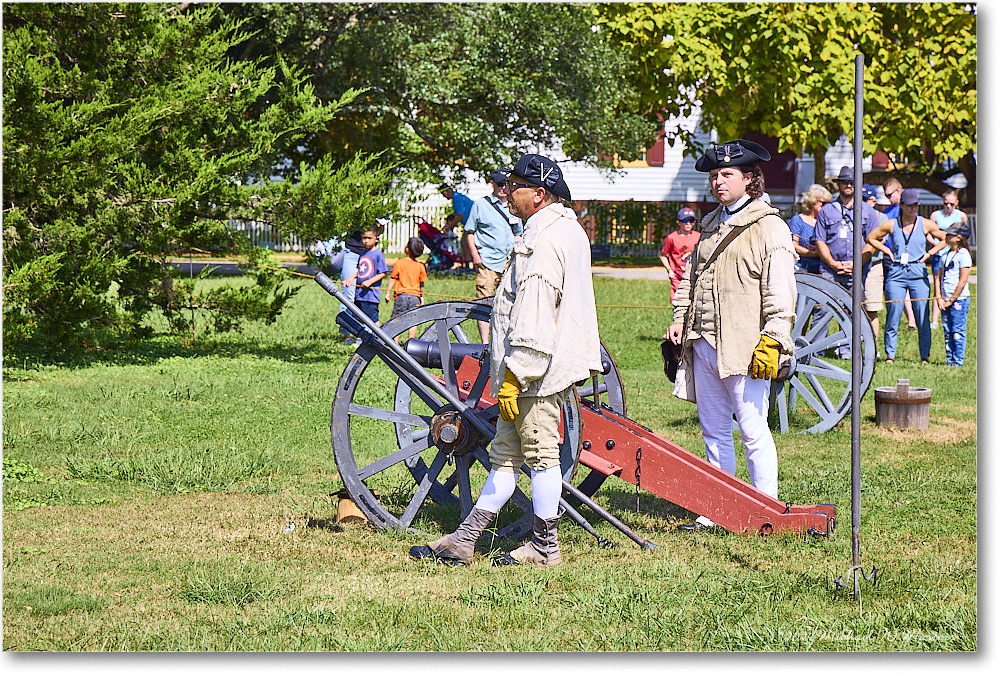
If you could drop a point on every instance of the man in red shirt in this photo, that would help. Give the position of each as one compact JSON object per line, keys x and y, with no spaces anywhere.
{"x":678,"y":246}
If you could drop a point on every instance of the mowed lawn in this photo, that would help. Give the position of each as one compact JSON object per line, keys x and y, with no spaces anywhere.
{"x":177,"y":494}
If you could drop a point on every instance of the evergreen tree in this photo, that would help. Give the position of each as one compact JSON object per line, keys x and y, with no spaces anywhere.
{"x":129,"y":132}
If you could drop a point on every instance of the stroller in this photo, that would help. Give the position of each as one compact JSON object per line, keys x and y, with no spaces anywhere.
{"x":441,"y":249}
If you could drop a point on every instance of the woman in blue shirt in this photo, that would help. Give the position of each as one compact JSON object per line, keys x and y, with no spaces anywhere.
{"x":907,"y":270}
{"x":803,"y":224}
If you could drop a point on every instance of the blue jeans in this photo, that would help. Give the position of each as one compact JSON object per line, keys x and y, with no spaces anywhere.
{"x":370,"y":309}
{"x":954,"y":320}
{"x":896,"y":285}
{"x":349,"y":270}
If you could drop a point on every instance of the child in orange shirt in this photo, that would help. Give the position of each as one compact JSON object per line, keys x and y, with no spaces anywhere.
{"x":409,"y":274}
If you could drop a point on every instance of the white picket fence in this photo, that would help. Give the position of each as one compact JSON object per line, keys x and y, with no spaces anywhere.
{"x":392,"y":242}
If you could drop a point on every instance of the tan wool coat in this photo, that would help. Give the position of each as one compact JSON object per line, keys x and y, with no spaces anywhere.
{"x":752,"y":294}
{"x":543,"y":328}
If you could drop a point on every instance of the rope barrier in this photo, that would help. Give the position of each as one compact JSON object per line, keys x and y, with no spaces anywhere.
{"x":467,"y":298}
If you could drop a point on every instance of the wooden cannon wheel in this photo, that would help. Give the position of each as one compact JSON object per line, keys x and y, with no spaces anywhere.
{"x":397,"y":443}
{"x":815,"y":392}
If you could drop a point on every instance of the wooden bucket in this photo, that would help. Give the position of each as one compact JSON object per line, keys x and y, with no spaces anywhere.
{"x":903,"y":406}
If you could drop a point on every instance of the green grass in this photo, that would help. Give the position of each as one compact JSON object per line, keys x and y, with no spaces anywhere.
{"x":149,"y":490}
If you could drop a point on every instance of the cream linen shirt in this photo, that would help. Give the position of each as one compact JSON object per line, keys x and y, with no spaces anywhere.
{"x":543,"y":328}
{"x":751,"y":292}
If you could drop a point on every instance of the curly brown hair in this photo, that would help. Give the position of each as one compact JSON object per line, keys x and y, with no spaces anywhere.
{"x":756,"y":186}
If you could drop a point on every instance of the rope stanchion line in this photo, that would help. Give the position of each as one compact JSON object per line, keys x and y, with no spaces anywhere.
{"x":444,"y":296}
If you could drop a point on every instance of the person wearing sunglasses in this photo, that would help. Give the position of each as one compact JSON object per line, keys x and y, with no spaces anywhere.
{"x":905,"y":259}
{"x":834,"y":238}
{"x":893,"y":189}
{"x":949,"y":214}
{"x":678,"y":246}
{"x":802,"y":225}
{"x":543,"y":339}
{"x":490,"y":232}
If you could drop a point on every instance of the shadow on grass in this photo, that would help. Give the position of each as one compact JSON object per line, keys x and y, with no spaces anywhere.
{"x":145,"y":352}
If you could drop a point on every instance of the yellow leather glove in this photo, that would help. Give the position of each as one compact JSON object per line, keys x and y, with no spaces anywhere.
{"x":765,"y":359}
{"x":507,"y":397}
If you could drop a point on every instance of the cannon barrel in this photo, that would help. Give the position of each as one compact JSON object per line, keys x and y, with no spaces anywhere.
{"x":428,"y":353}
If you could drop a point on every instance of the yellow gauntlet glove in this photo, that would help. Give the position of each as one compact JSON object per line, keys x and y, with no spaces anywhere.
{"x":507,"y":397}
{"x":765,"y":359}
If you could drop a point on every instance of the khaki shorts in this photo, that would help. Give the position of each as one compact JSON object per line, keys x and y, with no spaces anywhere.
{"x":532,"y":438}
{"x":873,"y":300}
{"x":486,"y":282}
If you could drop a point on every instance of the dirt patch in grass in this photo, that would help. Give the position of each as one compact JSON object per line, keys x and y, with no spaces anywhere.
{"x":942,"y":430}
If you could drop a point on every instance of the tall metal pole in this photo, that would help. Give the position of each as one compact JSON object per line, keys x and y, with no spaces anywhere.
{"x":858,"y":316}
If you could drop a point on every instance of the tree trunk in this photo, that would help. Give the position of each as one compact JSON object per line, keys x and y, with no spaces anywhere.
{"x":967,"y":196}
{"x":819,"y":166}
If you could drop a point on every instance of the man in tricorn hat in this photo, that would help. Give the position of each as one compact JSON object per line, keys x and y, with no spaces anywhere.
{"x":543,"y":339}
{"x":733,"y":312}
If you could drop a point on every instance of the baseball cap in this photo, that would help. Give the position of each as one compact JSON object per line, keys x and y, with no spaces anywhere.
{"x":960,"y":229}
{"x":868,"y":191}
{"x":500,"y":175}
{"x":909,"y":196}
{"x":686,"y":213}
{"x":543,"y":172}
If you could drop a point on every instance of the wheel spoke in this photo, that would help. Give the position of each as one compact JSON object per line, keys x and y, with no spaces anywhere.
{"x":592,"y":391}
{"x":801,"y":315}
{"x":444,"y":346}
{"x":824,"y":368}
{"x":400,"y":455}
{"x":807,"y":395}
{"x":821,"y":320}
{"x":459,"y":333}
{"x":479,"y":386}
{"x":782,"y":408}
{"x":835,"y":339}
{"x":388,"y":415}
{"x":426,"y":394}
{"x":490,"y":412}
{"x":422,"y":489}
{"x":821,"y":393}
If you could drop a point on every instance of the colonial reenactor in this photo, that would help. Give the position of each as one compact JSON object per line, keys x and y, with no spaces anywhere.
{"x":733,"y":313}
{"x":543,"y":339}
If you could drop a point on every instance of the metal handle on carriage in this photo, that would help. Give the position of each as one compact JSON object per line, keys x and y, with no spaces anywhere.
{"x":413,"y":366}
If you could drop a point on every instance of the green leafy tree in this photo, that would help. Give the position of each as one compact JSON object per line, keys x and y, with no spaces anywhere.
{"x":129,"y":133}
{"x":787,"y":70}
{"x":456,"y":85}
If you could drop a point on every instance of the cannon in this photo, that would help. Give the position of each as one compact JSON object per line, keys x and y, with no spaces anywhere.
{"x":410,"y":428}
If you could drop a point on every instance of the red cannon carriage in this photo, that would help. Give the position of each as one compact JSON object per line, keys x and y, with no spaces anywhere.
{"x":410,"y":427}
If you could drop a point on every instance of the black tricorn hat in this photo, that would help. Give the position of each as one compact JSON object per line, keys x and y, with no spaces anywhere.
{"x":733,"y":153}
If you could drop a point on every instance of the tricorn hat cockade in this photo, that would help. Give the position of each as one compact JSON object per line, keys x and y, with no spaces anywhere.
{"x":733,"y":153}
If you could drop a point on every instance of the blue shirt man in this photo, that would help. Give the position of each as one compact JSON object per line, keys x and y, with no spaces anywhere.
{"x":834,"y":233}
{"x":460,"y":203}
{"x":493,"y":228}
{"x":489,"y":234}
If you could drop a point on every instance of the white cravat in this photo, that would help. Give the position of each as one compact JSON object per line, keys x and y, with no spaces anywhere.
{"x":730,"y":211}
